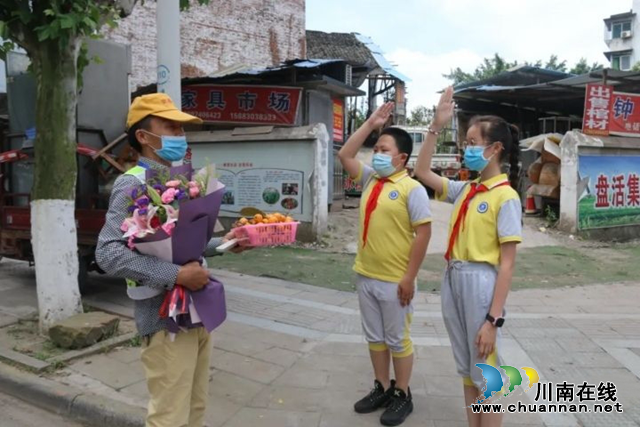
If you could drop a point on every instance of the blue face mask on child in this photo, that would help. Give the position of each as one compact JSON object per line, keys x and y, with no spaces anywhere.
{"x":174,"y":148}
{"x":383,"y":165}
{"x":474,"y":158}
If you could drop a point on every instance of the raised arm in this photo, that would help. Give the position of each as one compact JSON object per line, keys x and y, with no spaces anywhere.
{"x":444,"y":113}
{"x":349,"y":151}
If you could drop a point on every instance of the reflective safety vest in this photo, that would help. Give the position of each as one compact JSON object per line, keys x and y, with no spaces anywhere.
{"x":136,"y":291}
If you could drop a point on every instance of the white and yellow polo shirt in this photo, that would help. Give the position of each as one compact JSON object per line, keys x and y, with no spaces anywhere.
{"x":402,"y":206}
{"x":494,"y":217}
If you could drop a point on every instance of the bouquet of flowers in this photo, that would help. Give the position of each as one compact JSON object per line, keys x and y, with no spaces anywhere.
{"x":173,"y":215}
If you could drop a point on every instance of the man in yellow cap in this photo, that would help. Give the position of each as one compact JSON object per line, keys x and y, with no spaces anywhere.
{"x":177,"y":370}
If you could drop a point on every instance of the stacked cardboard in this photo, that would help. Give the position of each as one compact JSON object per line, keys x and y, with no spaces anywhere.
{"x":544,"y":173}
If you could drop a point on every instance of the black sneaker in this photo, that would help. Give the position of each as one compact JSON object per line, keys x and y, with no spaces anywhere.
{"x":376,"y":399}
{"x":398,"y":410}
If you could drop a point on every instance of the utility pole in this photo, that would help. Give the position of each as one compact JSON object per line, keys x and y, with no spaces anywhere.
{"x":168,"y":28}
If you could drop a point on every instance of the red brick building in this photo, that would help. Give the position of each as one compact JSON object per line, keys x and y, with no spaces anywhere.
{"x":256,"y":33}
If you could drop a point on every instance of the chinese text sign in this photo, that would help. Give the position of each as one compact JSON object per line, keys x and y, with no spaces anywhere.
{"x":267,"y":105}
{"x":611,"y":196}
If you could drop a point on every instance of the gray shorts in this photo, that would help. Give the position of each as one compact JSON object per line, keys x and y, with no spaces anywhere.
{"x":386,"y":324}
{"x":466,"y":294}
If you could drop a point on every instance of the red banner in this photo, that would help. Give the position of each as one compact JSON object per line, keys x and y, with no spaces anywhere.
{"x":338,"y":120}
{"x":597,"y":109}
{"x":625,"y":114}
{"x":269,"y":105}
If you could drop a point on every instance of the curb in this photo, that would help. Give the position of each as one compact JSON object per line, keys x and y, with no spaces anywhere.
{"x":68,"y":401}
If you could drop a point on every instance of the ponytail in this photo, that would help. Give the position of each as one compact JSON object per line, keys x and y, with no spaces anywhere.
{"x":495,"y":129}
{"x":514,"y":157}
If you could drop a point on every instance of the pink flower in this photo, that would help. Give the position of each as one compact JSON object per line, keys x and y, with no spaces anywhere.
{"x":169,"y":195}
{"x":173,"y":184}
{"x":168,"y":228}
{"x":125,"y":226}
{"x":130,"y":243}
{"x":192,"y":184}
{"x":194,"y":191}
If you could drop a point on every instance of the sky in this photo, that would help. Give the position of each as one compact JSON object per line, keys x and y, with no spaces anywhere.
{"x":428,"y":38}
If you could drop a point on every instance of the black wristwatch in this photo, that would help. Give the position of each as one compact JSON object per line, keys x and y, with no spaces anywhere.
{"x":495,"y":322}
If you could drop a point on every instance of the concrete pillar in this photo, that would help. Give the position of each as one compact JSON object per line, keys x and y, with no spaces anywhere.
{"x":168,"y":27}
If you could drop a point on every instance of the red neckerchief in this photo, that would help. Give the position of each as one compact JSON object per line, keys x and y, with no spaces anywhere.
{"x":372,"y":204}
{"x":462,"y":213}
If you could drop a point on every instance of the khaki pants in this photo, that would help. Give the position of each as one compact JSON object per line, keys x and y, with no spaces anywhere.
{"x":177,"y":378}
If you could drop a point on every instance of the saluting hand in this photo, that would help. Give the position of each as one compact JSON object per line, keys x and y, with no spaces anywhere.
{"x":380,"y":117}
{"x":444,"y":110}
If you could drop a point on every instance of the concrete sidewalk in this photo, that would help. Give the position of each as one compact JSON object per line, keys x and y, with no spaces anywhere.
{"x":293,"y":355}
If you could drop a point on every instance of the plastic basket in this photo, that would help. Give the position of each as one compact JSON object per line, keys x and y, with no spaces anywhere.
{"x":268,"y":234}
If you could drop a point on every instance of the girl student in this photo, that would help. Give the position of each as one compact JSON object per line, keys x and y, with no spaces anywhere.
{"x":485,"y":228}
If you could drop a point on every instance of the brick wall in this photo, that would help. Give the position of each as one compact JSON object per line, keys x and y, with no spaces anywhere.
{"x":225,"y":33}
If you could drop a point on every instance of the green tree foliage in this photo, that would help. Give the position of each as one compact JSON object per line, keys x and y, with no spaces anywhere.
{"x":420,"y":116}
{"x":495,"y":65}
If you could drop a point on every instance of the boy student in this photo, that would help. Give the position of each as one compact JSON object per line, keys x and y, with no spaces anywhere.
{"x":485,"y":229}
{"x":395,"y":228}
{"x":177,"y":371}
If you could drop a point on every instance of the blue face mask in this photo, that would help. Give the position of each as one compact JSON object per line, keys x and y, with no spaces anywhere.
{"x":174,"y":148}
{"x":474,"y":158}
{"x":383,"y":165}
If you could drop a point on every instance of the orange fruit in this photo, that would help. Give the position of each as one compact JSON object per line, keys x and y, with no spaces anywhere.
{"x":288,"y":219}
{"x":258,"y":218}
{"x":244,"y":221}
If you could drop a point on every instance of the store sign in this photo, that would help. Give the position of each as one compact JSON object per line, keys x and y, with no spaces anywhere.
{"x":338,"y":120}
{"x":611,"y":113}
{"x":597,"y":108}
{"x":610,"y":195}
{"x":625,"y":114}
{"x":259,"y":105}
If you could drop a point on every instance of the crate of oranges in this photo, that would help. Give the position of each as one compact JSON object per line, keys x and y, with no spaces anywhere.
{"x":266,"y":230}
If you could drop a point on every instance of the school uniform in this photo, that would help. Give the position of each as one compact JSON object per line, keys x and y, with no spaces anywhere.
{"x":486,"y":215}
{"x":390,"y":210}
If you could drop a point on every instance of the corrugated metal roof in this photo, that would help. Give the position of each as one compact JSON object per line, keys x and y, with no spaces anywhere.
{"x":380,"y":59}
{"x":296,"y":63}
{"x":565,"y":96}
{"x":524,"y":75}
{"x":613,"y":76}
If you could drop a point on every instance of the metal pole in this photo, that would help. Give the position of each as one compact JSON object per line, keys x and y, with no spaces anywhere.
{"x":168,"y":28}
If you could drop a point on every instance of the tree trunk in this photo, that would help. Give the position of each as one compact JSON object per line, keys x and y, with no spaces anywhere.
{"x":53,"y":228}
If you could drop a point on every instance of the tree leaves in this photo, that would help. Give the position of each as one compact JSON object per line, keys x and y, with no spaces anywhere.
{"x":420,"y":116}
{"x":496,"y":65}
{"x":62,"y":19}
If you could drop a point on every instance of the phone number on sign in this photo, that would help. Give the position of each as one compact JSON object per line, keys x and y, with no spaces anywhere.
{"x":254,"y":116}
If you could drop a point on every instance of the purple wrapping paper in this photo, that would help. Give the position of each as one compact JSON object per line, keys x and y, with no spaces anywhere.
{"x":188,"y":241}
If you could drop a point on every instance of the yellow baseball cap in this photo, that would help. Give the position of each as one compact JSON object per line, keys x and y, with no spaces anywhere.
{"x":159,"y":105}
